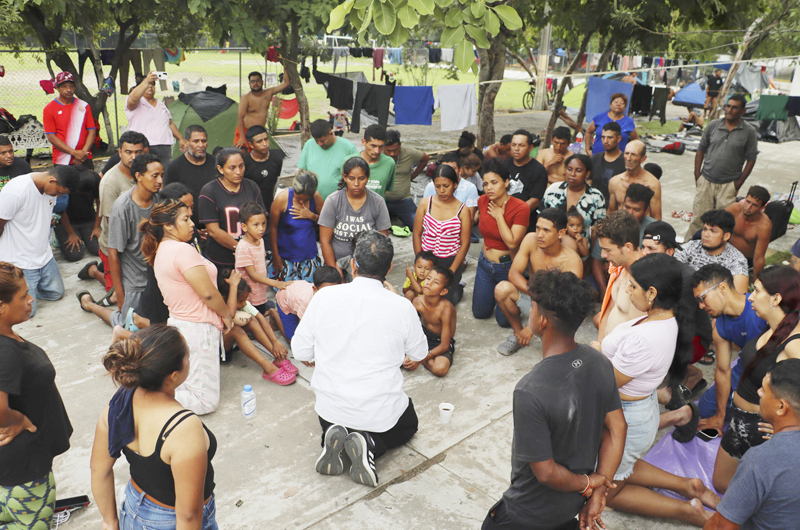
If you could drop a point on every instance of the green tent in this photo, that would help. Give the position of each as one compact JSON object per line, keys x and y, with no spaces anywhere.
{"x":218,"y":114}
{"x":574,"y":98}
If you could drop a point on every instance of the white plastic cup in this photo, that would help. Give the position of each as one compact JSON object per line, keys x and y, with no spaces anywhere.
{"x":446,"y":412}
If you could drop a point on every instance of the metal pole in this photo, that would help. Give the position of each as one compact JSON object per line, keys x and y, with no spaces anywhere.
{"x":240,"y":75}
{"x":544,"y":56}
{"x":116,"y":116}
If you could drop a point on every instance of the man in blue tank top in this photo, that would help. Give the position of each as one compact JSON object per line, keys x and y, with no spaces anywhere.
{"x":735,"y":323}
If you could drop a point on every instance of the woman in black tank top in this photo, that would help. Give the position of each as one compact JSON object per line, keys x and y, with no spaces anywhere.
{"x":168,"y":448}
{"x":776,"y":299}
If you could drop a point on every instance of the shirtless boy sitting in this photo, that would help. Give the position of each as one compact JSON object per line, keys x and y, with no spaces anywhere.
{"x":438,"y":322}
{"x":618,"y":236}
{"x":541,"y":250}
{"x":753,"y":228}
{"x":553,"y":157}
{"x":635,"y":155}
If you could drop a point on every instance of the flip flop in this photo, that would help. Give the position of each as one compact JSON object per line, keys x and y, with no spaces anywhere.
{"x":105,"y":302}
{"x":84,"y":272}
{"x":281,"y":377}
{"x":129,"y":325}
{"x":80,"y":295}
{"x":401,"y":231}
{"x":701,"y":385}
{"x":712,"y":355}
{"x":686,"y":433}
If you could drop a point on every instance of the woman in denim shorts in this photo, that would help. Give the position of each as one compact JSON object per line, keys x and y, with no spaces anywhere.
{"x":776,"y":299}
{"x":643,"y":354}
{"x":176,"y":478}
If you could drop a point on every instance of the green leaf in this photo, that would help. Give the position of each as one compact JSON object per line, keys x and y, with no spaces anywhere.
{"x":385,"y":17}
{"x":348,"y":5}
{"x":399,"y":35}
{"x":479,"y":35}
{"x":491,"y":23}
{"x":452,"y":36}
{"x":423,"y":7}
{"x":463,"y":56}
{"x":366,"y":21}
{"x":363,"y":4}
{"x":509,"y":17}
{"x":355,"y":18}
{"x":453,"y":17}
{"x":444,"y":3}
{"x":439,"y":14}
{"x":337,"y":18}
{"x":408,"y":17}
{"x":194,"y":6}
{"x":478,"y":8}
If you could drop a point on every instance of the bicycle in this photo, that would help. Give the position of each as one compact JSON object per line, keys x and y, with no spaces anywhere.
{"x":529,"y":96}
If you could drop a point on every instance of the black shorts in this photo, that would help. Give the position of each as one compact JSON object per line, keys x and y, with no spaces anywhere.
{"x":435,"y":340}
{"x":742,"y":433}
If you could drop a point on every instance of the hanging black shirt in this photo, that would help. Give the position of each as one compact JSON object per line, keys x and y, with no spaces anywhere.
{"x":339,"y":89}
{"x":374,"y":100}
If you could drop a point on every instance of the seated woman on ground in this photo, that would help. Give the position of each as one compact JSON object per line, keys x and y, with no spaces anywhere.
{"x":643,"y":354}
{"x":175,"y":481}
{"x":776,"y":299}
{"x":235,"y":291}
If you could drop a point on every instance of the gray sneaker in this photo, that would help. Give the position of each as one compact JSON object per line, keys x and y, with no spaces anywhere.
{"x":510,"y":346}
{"x":330,"y":461}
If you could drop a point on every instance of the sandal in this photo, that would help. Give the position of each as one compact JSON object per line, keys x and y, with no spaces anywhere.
{"x":105,"y":302}
{"x":80,"y":295}
{"x":686,"y":433}
{"x":129,"y":325}
{"x":287,"y":365}
{"x":84,"y":272}
{"x":281,"y":377}
{"x":710,"y":354}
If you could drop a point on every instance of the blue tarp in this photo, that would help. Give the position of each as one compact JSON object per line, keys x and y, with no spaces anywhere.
{"x":600,"y":91}
{"x":692,"y":95}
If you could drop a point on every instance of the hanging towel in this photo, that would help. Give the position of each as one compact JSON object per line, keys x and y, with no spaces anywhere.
{"x":599,"y":96}
{"x":396,"y":56}
{"x":174,"y":55}
{"x":339,"y":89}
{"x":366,"y":52}
{"x":272,"y":54}
{"x":640,"y":99}
{"x":434,"y":55}
{"x":339,"y":52}
{"x":190,"y":87}
{"x":377,"y":60}
{"x":772,"y":108}
{"x":47,"y":86}
{"x":355,"y":52}
{"x":374,"y":100}
{"x":413,"y":105}
{"x":289,"y":109}
{"x":447,"y":55}
{"x":659,"y":106}
{"x":793,"y":106}
{"x":458,"y":104}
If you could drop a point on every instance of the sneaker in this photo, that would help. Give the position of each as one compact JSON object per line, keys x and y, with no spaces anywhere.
{"x":330,"y":461}
{"x":359,"y":449}
{"x":510,"y":346}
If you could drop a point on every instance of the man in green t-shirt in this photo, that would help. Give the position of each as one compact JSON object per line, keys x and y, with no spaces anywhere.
{"x":381,"y":167}
{"x":324,"y":154}
{"x":409,"y":162}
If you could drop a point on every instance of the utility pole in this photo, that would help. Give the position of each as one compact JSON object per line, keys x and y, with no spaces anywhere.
{"x":539,"y":101}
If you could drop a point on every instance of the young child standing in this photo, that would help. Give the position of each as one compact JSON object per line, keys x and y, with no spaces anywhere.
{"x":235,"y":291}
{"x":293,"y":301}
{"x":438,"y":322}
{"x":251,"y":255}
{"x":424,"y":262}
{"x":575,"y":232}
{"x":340,"y":121}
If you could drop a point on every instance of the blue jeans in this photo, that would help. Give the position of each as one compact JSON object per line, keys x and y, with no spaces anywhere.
{"x":44,"y":283}
{"x":403,"y":210}
{"x":139,"y":513}
{"x":708,"y":401}
{"x":290,"y":323}
{"x":642,"y":418}
{"x":487,"y":275}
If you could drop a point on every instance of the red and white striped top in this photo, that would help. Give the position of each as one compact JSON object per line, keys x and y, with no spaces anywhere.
{"x":443,"y":238}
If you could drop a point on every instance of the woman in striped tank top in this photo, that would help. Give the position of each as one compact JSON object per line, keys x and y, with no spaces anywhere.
{"x":443,"y":225}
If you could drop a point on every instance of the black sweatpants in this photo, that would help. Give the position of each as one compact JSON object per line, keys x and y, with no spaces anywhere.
{"x":498,"y":519}
{"x":403,"y":431}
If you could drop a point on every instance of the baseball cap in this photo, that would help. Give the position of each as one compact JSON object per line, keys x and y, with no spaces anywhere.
{"x":63,"y":77}
{"x":661,"y":232}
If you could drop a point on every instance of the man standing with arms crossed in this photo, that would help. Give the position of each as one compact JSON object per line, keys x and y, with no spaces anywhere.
{"x":254,"y":106}
{"x":559,"y":456}
{"x":727,"y":144}
{"x":69,"y":125}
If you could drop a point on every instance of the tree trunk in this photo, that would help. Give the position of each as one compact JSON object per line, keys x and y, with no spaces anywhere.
{"x":293,"y":47}
{"x":723,"y":93}
{"x":98,"y":73}
{"x":563,"y":85}
{"x":521,"y":62}
{"x":532,"y":57}
{"x":601,"y":66}
{"x":492,"y":67}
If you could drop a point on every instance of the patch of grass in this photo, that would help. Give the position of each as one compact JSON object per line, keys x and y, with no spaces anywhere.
{"x":777,"y":258}
{"x":655,"y":128}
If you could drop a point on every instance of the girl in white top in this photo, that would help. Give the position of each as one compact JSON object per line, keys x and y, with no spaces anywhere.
{"x":643,"y":352}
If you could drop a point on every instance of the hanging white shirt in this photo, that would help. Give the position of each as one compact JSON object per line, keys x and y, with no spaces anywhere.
{"x":458,"y":104}
{"x":358,"y":335}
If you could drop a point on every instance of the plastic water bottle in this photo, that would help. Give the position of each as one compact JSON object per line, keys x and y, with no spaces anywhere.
{"x":248,"y":402}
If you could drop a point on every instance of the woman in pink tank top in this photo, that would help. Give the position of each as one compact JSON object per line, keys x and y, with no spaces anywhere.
{"x":443,"y":225}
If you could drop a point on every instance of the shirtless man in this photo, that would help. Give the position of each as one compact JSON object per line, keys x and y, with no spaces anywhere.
{"x":635,"y":155}
{"x":500,"y":150}
{"x":694,"y":119}
{"x":753,"y":228}
{"x":254,"y":106}
{"x":553,"y":157}
{"x":438,"y":322}
{"x":541,"y":250}
{"x":618,"y":236}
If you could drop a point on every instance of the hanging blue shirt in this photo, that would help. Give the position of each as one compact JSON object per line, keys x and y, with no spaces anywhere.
{"x":413,"y":105}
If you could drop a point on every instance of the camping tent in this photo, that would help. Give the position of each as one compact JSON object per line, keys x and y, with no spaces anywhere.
{"x":692,"y":95}
{"x":218,"y":114}
{"x":574,"y":98}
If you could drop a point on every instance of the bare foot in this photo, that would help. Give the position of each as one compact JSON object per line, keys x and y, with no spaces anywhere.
{"x":698,"y":490}
{"x":664,"y":395}
{"x":113,"y":298}
{"x":140,"y":322}
{"x":119,"y":333}
{"x":705,"y":515}
{"x":686,"y":416}
{"x":86,"y":302}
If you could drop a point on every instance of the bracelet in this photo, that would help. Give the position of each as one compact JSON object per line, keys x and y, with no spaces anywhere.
{"x":588,"y":482}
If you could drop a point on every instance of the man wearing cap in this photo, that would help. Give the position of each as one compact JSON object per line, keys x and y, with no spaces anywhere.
{"x":660,"y":238}
{"x":69,"y":125}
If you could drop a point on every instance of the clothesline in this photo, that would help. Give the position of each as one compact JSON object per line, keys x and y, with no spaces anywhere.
{"x":685,"y":65}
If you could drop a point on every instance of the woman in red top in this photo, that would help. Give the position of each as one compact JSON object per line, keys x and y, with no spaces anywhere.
{"x":443,"y":226}
{"x":503,"y":223}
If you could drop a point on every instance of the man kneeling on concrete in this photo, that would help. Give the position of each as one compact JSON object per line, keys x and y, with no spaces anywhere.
{"x":357,"y":335}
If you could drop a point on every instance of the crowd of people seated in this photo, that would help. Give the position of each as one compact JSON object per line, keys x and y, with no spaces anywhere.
{"x":199,"y":257}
